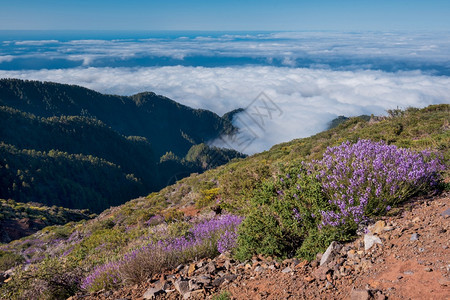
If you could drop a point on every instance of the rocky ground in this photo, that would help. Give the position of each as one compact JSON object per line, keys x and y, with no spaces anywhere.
{"x":406,"y":256}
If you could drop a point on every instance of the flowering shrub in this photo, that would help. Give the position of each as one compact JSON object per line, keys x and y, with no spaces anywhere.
{"x":368,"y":178}
{"x":104,"y":276}
{"x":205,"y":239}
{"x":313,"y":204}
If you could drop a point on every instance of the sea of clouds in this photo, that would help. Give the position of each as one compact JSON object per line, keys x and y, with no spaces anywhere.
{"x":306,"y":79}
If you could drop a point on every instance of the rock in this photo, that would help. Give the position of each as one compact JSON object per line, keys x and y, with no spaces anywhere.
{"x":360,"y":295}
{"x":351,"y":254}
{"x":378,"y":227}
{"x":314,"y":264}
{"x":370,"y":240}
{"x":444,"y":281}
{"x":309,"y":279}
{"x":259,"y":269}
{"x":204,"y":279}
{"x":227,"y":264}
{"x":218,"y":281}
{"x":224,"y":256}
{"x":428,"y":269}
{"x":161,"y":285}
{"x":408,"y":272}
{"x":230,"y":277}
{"x":321,"y":272}
{"x":286,"y":270}
{"x":414,"y":237}
{"x":379,"y":296}
{"x":191,"y":270}
{"x":182,"y":286}
{"x":446,"y":213}
{"x":210,"y":267}
{"x":416,"y":219}
{"x":330,"y":253}
{"x":193,"y":285}
{"x":301,"y":264}
{"x":388,"y":228}
{"x":152,"y":293}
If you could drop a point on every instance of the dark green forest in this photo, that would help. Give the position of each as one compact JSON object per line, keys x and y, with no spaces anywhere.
{"x":70,"y":146}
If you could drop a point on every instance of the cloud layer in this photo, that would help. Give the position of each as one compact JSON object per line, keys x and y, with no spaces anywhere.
{"x":389,"y":51}
{"x":302,"y":100}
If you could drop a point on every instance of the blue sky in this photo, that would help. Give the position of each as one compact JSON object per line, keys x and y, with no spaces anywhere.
{"x":225,"y":15}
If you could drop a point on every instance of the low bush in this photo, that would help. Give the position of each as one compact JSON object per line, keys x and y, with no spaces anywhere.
{"x":368,"y":178}
{"x":52,"y":279}
{"x":282,"y":215}
{"x":9,"y":260}
{"x":205,"y":239}
{"x":313,"y":204}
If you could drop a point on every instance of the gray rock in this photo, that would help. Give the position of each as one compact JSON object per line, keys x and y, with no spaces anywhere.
{"x":204,"y":279}
{"x":182,"y":286}
{"x":446,"y":213}
{"x":161,"y":285}
{"x":227,"y":264}
{"x":210,"y":267}
{"x":370,"y":240}
{"x":286,"y":270}
{"x":152,"y":293}
{"x":259,"y":269}
{"x":218,"y":281}
{"x":414,"y":237}
{"x":231,"y":277}
{"x":331,"y":252}
{"x":193,"y":285}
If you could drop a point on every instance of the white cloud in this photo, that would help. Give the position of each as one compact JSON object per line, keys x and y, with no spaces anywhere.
{"x":6,"y":58}
{"x":36,"y":42}
{"x":336,"y":49}
{"x":308,"y":98}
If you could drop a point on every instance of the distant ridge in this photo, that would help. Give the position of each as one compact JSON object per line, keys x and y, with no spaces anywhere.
{"x":70,"y":146}
{"x":164,"y":122}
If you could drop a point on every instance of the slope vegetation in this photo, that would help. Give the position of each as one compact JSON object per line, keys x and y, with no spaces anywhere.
{"x":280,"y":195}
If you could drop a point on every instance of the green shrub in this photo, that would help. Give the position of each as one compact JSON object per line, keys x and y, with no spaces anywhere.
{"x":208,"y":197}
{"x":224,"y":295}
{"x":52,"y":279}
{"x":9,"y":260}
{"x":283,"y":214}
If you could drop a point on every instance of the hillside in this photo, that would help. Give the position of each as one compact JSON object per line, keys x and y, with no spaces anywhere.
{"x":21,"y":219}
{"x":69,"y":146}
{"x":273,"y":204}
{"x":166,"y":124}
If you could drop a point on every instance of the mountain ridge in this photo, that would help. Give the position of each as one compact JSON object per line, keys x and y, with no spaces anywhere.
{"x":48,"y":130}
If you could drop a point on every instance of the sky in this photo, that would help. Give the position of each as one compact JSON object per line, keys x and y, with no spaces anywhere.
{"x":224,"y":15}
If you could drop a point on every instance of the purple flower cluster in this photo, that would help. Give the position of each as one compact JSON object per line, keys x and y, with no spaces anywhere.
{"x":367,"y":177}
{"x":227,"y":241}
{"x":209,"y":228}
{"x":103,"y":276}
